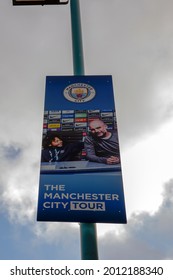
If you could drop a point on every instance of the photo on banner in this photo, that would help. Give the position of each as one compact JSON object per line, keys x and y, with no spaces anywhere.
{"x":80,"y":171}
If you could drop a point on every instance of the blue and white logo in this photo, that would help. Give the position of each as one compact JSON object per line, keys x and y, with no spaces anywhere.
{"x":79,"y":93}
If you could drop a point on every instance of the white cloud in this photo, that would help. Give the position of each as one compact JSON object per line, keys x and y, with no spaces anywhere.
{"x":146,"y":166}
{"x":145,"y":236}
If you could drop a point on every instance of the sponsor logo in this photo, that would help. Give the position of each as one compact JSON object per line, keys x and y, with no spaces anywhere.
{"x":107,"y":114}
{"x":67,"y":116}
{"x":93,"y":115}
{"x":54,"y":121}
{"x":93,"y":111}
{"x":68,"y":112}
{"x":79,"y":93}
{"x":109,"y":119}
{"x":80,"y":124}
{"x":80,"y":111}
{"x":51,"y":117}
{"x":81,"y":129}
{"x":81,"y":120}
{"x":110,"y":127}
{"x":55,"y":112}
{"x":83,"y":115}
{"x":107,"y":110}
{"x":67,"y":129}
{"x":54,"y":129}
{"x":67,"y":125}
{"x":67,"y":120}
{"x":54,"y":125}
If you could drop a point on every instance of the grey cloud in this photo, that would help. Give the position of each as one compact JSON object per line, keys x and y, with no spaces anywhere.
{"x":12,"y":152}
{"x":145,"y":236}
{"x":135,"y":45}
{"x":18,"y":181}
{"x":132,"y":40}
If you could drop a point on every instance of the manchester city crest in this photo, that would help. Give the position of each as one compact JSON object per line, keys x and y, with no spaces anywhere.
{"x":79,"y":93}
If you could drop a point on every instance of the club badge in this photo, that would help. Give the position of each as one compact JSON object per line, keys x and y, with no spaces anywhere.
{"x":79,"y":93}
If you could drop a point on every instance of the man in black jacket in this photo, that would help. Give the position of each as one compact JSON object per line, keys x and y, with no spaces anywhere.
{"x":102,"y":145}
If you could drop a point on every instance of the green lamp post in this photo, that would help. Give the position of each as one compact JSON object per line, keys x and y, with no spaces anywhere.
{"x":87,"y":230}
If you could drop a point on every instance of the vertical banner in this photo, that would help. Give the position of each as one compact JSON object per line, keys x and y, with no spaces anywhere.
{"x":80,"y":172}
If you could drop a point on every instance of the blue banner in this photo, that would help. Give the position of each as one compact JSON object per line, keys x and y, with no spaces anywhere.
{"x":80,"y":174}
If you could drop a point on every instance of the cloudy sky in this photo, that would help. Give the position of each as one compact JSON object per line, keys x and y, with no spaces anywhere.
{"x":133,"y":41}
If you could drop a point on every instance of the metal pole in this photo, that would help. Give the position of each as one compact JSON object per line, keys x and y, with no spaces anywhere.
{"x":78,"y":58}
{"x":87,"y":230}
{"x":88,"y":235}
